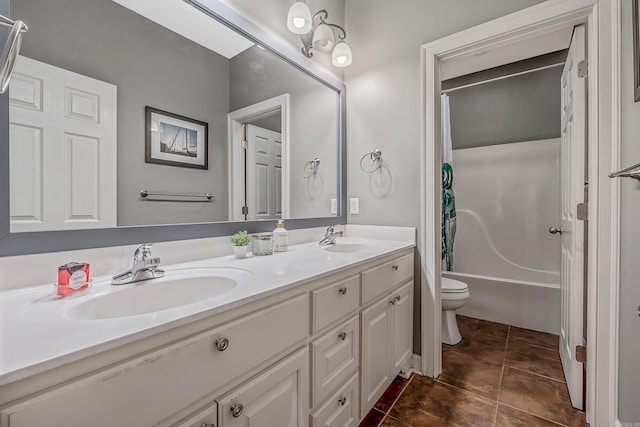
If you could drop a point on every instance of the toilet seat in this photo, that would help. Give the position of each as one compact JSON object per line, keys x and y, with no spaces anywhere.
{"x":451,"y":286}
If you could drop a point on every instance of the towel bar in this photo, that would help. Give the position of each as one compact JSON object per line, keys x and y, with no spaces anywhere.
{"x":632,"y":171}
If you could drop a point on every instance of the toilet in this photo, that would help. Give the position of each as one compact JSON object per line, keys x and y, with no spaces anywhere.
{"x":454,"y":295}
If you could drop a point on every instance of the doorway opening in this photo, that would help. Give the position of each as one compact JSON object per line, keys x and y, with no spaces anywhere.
{"x":514,"y":33}
{"x":259,"y":160}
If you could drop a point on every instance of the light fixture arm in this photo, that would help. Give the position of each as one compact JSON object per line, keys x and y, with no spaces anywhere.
{"x":307,"y":39}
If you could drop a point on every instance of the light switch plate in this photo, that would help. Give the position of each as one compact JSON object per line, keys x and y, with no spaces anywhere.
{"x":354,"y":206}
{"x":334,"y":206}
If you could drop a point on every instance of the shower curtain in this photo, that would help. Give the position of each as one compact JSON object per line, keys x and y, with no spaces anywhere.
{"x":448,"y":198}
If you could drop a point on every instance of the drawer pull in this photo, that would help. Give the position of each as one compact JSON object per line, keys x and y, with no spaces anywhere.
{"x":398,"y":298}
{"x":222,"y":344}
{"x":236,"y":410}
{"x":208,"y":425}
{"x":392,"y":302}
{"x":394,"y":267}
{"x":342,"y":336}
{"x":342,"y":290}
{"x":342,"y":400}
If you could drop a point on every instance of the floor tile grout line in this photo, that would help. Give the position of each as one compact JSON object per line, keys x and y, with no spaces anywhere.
{"x":396,"y":399}
{"x":536,"y":374}
{"x":530,"y":413}
{"x":474,"y":394}
{"x":504,"y":360}
{"x":479,"y":358}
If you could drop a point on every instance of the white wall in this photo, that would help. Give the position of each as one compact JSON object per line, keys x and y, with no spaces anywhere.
{"x":507,"y":196}
{"x":629,"y":374}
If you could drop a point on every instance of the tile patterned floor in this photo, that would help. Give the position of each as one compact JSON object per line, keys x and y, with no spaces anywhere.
{"x":498,"y":376}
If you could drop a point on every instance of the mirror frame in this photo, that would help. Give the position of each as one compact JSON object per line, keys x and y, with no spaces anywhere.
{"x":65,"y":240}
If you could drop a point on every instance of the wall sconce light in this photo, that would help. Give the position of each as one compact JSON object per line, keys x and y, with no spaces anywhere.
{"x":316,"y":33}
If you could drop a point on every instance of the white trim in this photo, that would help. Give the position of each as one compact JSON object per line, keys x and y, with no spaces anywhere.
{"x":603,"y":22}
{"x":416,"y":364}
{"x":235,"y":122}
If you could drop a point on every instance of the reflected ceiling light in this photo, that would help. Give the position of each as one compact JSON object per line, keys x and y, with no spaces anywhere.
{"x":316,"y":33}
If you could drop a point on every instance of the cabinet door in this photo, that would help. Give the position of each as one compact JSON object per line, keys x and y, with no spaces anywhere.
{"x":375,"y":352}
{"x":277,"y":397}
{"x":401,"y":338}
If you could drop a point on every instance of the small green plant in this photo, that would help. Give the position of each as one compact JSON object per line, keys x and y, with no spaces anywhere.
{"x":241,"y":238}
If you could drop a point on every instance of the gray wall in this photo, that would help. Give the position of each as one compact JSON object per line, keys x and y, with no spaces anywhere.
{"x":515,"y":109}
{"x":629,"y":372}
{"x":103,"y":40}
{"x":383,"y":99}
{"x":257,"y":75}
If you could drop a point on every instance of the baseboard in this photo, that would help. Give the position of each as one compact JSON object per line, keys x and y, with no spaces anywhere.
{"x":617,"y":423}
{"x":416,"y":364}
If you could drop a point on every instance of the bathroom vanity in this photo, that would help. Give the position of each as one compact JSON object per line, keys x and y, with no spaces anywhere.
{"x":312,"y":337}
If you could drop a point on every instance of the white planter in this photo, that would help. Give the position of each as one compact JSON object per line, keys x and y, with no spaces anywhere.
{"x":240,"y":251}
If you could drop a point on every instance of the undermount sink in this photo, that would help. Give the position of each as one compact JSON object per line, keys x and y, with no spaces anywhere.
{"x":350,"y":248}
{"x":178,"y":288}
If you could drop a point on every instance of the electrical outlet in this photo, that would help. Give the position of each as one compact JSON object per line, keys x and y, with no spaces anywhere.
{"x":334,"y":206}
{"x":354,"y":206}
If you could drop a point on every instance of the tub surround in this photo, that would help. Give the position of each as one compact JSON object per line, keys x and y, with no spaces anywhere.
{"x":43,"y":346}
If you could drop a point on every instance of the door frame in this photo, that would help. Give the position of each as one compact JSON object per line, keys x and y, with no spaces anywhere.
{"x":603,"y":37}
{"x":235,"y":123}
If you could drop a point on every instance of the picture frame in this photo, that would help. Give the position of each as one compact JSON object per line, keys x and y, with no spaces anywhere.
{"x":636,"y":50}
{"x":175,"y":140}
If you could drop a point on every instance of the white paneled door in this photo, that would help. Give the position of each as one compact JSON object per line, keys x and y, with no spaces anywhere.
{"x":264,"y":173}
{"x":572,"y":157}
{"x":62,"y":149}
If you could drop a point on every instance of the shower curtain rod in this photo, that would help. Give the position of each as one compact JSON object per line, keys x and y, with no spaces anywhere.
{"x":453,"y":89}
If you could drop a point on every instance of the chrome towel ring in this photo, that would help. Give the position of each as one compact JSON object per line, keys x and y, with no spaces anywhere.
{"x":11,"y":50}
{"x":374,"y":163}
{"x":311,"y":168}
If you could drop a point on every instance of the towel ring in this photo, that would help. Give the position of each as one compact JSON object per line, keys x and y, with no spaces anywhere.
{"x":311,"y":168}
{"x":11,"y":50}
{"x":376,"y":160}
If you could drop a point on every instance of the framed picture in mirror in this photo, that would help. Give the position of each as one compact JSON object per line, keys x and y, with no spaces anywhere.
{"x":636,"y":50}
{"x":176,"y":140}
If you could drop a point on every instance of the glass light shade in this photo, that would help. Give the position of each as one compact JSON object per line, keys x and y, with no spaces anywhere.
{"x":323,"y":38}
{"x":341,"y":56}
{"x":299,"y":18}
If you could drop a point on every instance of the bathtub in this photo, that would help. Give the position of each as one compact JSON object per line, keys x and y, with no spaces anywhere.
{"x":530,"y":305}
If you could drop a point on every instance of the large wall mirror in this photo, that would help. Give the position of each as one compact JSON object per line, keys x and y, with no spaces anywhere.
{"x":132,"y":121}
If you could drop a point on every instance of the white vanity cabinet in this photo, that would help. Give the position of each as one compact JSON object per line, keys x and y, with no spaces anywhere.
{"x":387,"y":327}
{"x":148,"y":389}
{"x":319,"y":353}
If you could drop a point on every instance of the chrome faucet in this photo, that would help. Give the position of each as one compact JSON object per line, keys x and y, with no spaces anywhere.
{"x":144,"y":267}
{"x":330,"y":236}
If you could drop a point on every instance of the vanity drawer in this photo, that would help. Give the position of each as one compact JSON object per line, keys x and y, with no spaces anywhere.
{"x":341,"y":410}
{"x":335,"y":301}
{"x":167,"y":380}
{"x":207,"y":417}
{"x":378,"y":280}
{"x":334,"y":356}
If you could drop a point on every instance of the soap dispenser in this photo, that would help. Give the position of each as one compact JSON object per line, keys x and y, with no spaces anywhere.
{"x":280,"y":237}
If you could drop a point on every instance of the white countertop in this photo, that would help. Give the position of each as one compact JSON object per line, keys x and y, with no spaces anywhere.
{"x":36,"y":333}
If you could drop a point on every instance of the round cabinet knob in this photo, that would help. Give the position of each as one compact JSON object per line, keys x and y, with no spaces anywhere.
{"x":555,"y":230}
{"x":392,"y":302}
{"x":342,"y":336}
{"x":236,"y":410}
{"x":394,"y":267}
{"x":342,"y":400}
{"x":342,"y":291}
{"x":398,"y":298}
{"x":222,"y":344}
